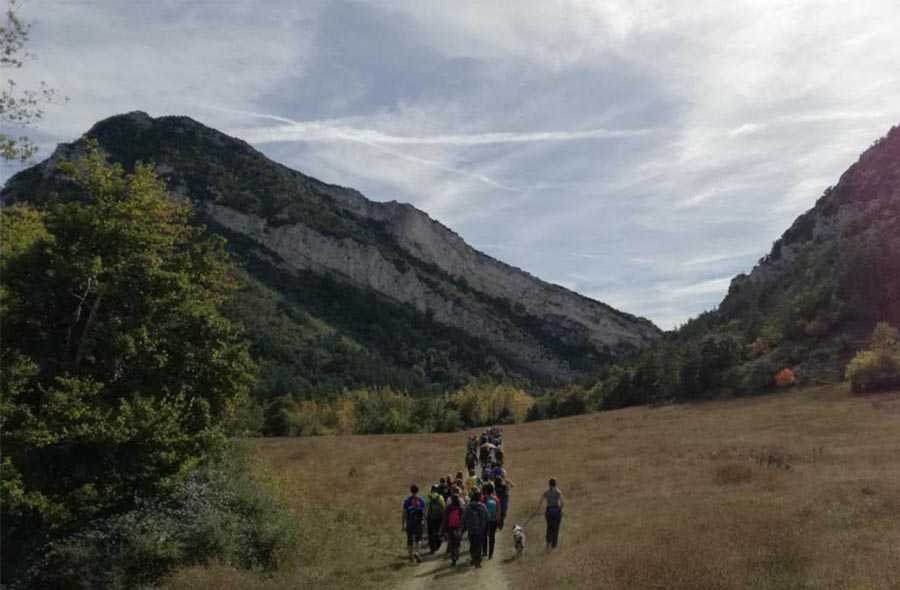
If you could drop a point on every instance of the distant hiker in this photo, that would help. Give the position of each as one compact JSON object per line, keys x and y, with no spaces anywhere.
{"x":453,"y":527}
{"x":471,"y":459}
{"x":497,"y":471}
{"x":485,"y":453}
{"x":502,"y":491}
{"x":554,"y":498}
{"x":487,"y":472}
{"x":434,"y":512}
{"x":498,"y":456}
{"x":443,"y":489}
{"x":462,"y":493}
{"x":475,"y":520}
{"x":492,"y":504}
{"x":413,"y":515}
{"x":473,"y":483}
{"x":448,"y":487}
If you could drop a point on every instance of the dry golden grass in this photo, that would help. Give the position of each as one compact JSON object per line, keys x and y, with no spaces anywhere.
{"x":797,"y":490}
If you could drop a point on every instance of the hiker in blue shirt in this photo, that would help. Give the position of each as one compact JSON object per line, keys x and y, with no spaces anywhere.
{"x":413,"y":517}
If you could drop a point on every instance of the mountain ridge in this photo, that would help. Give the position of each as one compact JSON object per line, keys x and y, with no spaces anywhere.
{"x":301,"y":224}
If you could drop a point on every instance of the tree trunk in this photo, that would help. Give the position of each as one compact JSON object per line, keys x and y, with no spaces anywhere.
{"x":82,"y":342}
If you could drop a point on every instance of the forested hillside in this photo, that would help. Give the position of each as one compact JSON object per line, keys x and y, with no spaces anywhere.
{"x":797,"y":317}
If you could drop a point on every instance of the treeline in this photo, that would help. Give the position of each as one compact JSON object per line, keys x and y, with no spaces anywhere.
{"x":675,"y":370}
{"x":382,"y":410}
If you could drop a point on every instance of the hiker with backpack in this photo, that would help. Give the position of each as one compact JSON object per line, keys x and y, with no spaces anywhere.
{"x":413,"y":517}
{"x":492,"y":504}
{"x":554,"y":498}
{"x":487,"y":472}
{"x":484,"y":453}
{"x":434,"y":511}
{"x":473,"y":483}
{"x":471,"y":459}
{"x":475,"y":518}
{"x":502,"y":490}
{"x":453,"y":527}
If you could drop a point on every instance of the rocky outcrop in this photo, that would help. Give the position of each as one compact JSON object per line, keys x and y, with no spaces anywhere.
{"x":363,"y":265}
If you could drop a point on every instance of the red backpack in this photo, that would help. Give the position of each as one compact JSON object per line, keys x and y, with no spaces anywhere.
{"x":454,"y":517}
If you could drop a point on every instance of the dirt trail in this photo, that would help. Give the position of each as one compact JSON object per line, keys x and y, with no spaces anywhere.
{"x":436,"y":573}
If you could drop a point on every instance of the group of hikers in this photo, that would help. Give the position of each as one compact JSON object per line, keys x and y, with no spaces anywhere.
{"x":474,"y":505}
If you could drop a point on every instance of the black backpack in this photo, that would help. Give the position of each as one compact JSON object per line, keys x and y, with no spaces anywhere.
{"x":434,"y":508}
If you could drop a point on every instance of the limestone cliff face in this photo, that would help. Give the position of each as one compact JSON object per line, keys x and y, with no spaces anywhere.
{"x":428,"y":240}
{"x":363,"y":265}
{"x":391,"y":249}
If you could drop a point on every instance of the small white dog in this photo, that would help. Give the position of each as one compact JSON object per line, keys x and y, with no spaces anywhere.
{"x":519,"y":537}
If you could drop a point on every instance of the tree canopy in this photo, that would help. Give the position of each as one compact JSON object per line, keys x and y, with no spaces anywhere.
{"x":117,"y":368}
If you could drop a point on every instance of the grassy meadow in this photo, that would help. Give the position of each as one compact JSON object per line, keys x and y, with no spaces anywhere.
{"x":795,"y":490}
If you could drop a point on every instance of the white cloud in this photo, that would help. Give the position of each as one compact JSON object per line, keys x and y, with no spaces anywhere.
{"x":643,"y":151}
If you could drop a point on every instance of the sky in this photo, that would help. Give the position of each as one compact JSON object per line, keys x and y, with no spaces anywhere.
{"x":640,"y":152}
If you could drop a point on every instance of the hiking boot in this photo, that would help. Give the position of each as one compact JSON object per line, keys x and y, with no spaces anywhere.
{"x":417,"y":558}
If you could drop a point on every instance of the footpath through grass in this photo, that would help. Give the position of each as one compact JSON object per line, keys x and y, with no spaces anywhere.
{"x":796,"y":490}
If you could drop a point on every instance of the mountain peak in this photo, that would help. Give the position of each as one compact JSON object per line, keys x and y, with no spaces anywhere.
{"x":302,"y":227}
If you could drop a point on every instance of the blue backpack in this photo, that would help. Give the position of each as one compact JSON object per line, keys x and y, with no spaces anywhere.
{"x":415,"y":508}
{"x":490,"y":502}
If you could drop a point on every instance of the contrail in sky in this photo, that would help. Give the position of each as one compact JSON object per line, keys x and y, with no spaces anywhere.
{"x":340,"y":133}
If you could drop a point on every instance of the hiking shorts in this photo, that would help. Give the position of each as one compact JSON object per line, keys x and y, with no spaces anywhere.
{"x":413,"y":533}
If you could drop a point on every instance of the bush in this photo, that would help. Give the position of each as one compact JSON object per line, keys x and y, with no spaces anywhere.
{"x":878,"y":368}
{"x":785,"y":378}
{"x":219,"y":512}
{"x":758,"y":375}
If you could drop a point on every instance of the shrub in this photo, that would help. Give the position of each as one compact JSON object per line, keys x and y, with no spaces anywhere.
{"x":878,"y":368}
{"x":219,"y":512}
{"x":785,"y":378}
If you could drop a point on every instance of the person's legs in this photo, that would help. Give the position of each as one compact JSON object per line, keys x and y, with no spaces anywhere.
{"x":434,"y":528}
{"x":491,"y":537}
{"x":556,"y":521}
{"x":453,"y":541}
{"x":476,"y":544}
{"x":414,"y":539}
{"x":549,"y":525}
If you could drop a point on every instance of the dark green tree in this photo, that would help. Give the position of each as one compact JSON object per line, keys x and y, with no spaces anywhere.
{"x":117,"y":368}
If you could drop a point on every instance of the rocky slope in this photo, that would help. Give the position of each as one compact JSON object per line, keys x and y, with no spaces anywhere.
{"x":834,"y":273}
{"x":278,"y":218}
